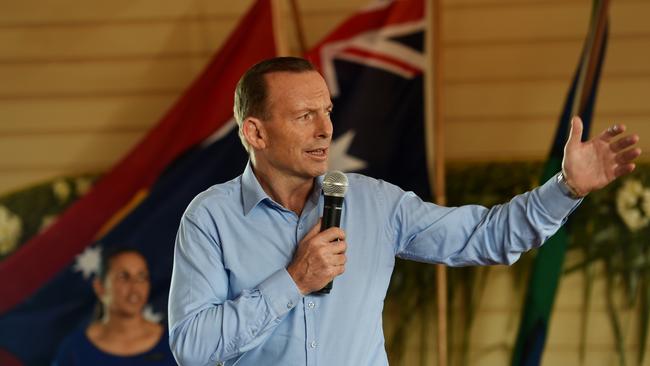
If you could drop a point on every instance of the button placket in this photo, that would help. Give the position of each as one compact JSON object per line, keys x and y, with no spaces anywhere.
{"x":309,"y":304}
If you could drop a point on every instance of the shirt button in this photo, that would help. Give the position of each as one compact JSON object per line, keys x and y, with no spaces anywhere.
{"x":311,"y":305}
{"x":312,"y":344}
{"x":289,"y":305}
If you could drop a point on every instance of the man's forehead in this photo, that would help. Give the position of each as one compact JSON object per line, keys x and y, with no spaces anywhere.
{"x":303,"y":78}
{"x":307,"y":84}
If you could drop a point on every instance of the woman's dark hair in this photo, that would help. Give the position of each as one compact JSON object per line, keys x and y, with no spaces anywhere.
{"x":104,"y":266}
{"x":109,"y":254}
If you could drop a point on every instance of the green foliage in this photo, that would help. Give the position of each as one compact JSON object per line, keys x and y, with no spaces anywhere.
{"x":597,"y":231}
{"x":610,"y":232}
{"x":26,"y":212}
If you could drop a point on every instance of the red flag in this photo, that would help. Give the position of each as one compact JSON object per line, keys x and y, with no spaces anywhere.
{"x":205,"y":106}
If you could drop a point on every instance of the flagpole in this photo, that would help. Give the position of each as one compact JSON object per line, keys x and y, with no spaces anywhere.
{"x":435,"y":135}
{"x":300,"y":29}
{"x":279,"y":30}
{"x":595,"y":39}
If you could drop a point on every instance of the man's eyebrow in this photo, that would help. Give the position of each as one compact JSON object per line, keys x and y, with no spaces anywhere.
{"x":303,"y":109}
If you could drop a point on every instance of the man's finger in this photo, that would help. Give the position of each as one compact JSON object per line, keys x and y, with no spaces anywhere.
{"x":624,"y":169}
{"x":314,"y":230}
{"x":612,"y":131}
{"x":339,"y":260}
{"x":333,"y":233}
{"x":627,"y":156}
{"x":575,"y":135}
{"x":339,"y":247}
{"x":624,"y":143}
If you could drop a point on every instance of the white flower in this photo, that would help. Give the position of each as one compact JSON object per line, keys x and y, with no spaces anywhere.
{"x":633,"y":204}
{"x":11,"y":228}
{"x":61,"y":190}
{"x":645,"y":203}
{"x":47,"y":222}
{"x":82,"y":185}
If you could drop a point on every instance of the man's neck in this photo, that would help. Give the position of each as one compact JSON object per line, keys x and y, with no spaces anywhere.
{"x":289,"y":191}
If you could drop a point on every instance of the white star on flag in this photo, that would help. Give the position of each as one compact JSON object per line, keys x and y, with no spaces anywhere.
{"x":339,"y":158}
{"x":88,"y":262}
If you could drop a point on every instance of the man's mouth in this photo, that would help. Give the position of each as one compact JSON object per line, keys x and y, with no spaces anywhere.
{"x":317,"y":152}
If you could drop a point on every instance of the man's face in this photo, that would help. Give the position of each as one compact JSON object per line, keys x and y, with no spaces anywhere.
{"x":299,"y":130}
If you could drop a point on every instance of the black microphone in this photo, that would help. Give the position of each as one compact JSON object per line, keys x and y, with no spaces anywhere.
{"x":335,"y":184}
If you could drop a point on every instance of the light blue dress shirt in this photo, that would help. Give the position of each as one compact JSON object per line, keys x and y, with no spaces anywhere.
{"x":232,"y":301}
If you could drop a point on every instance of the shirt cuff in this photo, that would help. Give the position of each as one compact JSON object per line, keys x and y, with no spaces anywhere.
{"x":557,"y":203}
{"x":281,"y":292}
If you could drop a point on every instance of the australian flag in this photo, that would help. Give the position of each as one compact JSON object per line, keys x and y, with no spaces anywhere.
{"x":373,"y":64}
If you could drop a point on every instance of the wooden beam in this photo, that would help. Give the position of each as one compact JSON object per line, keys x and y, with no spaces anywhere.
{"x":279,"y":29}
{"x":299,"y":26}
{"x":435,"y":137}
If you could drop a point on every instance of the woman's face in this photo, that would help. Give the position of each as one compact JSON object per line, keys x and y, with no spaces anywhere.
{"x":125,"y":290}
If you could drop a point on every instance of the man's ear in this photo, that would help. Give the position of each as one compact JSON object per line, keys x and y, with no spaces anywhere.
{"x":254,"y":133}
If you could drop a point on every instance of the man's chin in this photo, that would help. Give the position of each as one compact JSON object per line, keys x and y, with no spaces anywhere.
{"x":320,"y":170}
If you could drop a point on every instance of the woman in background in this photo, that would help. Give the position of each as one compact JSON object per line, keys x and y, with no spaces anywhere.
{"x":121,"y":336}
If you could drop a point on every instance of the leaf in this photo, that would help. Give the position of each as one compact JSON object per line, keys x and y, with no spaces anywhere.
{"x":614,"y":319}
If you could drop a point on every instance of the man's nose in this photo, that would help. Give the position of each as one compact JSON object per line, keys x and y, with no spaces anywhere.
{"x":324,"y":126}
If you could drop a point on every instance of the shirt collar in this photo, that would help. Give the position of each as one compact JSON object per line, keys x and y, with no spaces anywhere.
{"x":253,"y":193}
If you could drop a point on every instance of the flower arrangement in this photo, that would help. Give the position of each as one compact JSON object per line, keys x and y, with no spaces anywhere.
{"x":10,"y":230}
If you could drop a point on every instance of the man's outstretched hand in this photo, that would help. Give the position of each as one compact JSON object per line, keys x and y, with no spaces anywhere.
{"x":591,"y":165}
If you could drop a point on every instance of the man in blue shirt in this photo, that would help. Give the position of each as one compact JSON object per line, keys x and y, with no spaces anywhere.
{"x":250,"y":255}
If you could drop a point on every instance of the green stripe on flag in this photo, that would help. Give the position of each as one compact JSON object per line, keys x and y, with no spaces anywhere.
{"x":547,"y":267}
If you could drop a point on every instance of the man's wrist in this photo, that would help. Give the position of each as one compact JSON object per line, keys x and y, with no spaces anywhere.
{"x":567,"y":188}
{"x":296,"y":280}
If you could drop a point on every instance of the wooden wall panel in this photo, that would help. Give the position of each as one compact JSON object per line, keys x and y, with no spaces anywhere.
{"x":112,"y":40}
{"x":97,"y":77}
{"x":81,"y":82}
{"x":70,"y":11}
{"x":494,"y":330}
{"x":63,"y":150}
{"x":99,"y":74}
{"x":98,"y":113}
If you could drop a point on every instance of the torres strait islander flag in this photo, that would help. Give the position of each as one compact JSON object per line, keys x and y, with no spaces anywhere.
{"x":373,"y":64}
{"x":547,"y":266}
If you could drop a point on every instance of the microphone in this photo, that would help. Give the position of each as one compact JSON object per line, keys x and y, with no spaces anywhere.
{"x":335,"y":184}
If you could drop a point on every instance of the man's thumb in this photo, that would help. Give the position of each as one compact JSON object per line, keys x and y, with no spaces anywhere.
{"x":575,"y":134}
